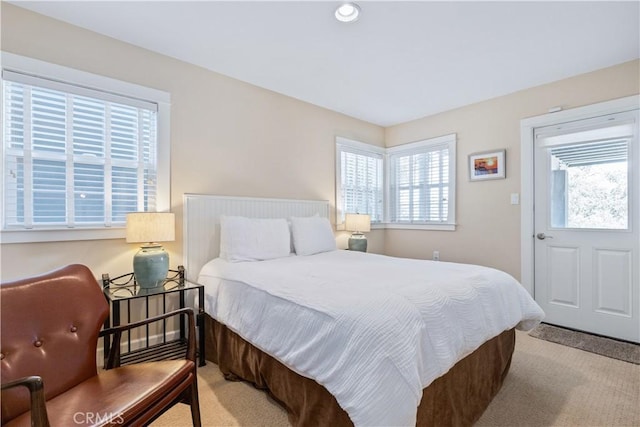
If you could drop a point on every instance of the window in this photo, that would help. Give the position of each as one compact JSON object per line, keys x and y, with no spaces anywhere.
{"x":408,"y":186}
{"x":589,"y":172}
{"x":422,"y":182}
{"x":76,"y":158}
{"x":360,"y":178}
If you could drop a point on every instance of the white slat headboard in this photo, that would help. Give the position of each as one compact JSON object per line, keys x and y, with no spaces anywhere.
{"x":201,"y":241}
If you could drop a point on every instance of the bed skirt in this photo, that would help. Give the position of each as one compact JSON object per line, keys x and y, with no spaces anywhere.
{"x":458,"y":398}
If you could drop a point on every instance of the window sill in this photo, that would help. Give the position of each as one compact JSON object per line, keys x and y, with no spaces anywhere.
{"x":60,"y":235}
{"x":439,"y":227}
{"x":393,"y":226}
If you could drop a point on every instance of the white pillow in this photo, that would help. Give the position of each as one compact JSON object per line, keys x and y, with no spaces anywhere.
{"x":253,"y":239}
{"x":312,"y":235}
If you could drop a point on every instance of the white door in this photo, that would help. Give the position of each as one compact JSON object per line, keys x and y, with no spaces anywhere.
{"x":587,"y":221}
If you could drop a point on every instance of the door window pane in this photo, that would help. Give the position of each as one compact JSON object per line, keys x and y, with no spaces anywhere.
{"x":589,"y":185}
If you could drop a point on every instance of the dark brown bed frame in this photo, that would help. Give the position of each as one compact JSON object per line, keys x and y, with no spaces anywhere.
{"x":457,"y":398}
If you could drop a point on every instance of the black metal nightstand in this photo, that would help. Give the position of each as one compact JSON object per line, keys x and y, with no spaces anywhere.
{"x":125,"y":289}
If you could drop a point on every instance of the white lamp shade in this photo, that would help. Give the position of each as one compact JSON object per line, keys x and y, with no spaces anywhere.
{"x":151,"y":227}
{"x":357,"y":222}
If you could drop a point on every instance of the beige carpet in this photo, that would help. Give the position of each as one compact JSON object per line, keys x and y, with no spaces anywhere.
{"x":548,"y":385}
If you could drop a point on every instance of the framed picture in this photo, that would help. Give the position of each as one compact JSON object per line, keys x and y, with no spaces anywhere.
{"x":487,"y":165}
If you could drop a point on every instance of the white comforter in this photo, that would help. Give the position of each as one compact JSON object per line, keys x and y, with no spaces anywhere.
{"x":373,"y":330}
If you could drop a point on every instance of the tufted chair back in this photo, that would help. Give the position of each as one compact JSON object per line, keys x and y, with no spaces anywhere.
{"x":50,"y":326}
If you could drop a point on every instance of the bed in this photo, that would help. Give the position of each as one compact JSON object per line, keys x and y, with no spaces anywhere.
{"x":347,"y":338}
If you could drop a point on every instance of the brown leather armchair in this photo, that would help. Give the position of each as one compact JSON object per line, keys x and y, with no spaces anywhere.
{"x":50,"y":328}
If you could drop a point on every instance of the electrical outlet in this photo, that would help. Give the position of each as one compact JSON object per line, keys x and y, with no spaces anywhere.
{"x":436,"y":255}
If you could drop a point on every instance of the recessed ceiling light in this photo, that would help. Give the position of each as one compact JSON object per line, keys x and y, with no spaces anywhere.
{"x":347,"y":12}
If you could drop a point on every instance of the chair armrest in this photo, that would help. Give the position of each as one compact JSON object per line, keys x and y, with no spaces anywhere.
{"x":35,"y":385}
{"x":114,"y":355}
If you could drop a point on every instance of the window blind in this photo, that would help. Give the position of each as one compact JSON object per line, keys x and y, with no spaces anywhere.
{"x":361,"y":182}
{"x":419,"y":184}
{"x":75,"y":156}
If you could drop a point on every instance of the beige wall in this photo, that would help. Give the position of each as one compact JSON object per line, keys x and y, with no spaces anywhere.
{"x":227,"y":137}
{"x":488,"y":230}
{"x":232,"y":138}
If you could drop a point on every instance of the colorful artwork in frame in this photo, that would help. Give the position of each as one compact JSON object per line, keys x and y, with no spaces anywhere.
{"x":487,"y":165}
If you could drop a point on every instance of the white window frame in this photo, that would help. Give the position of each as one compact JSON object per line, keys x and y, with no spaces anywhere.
{"x":449,"y":140}
{"x":30,"y":66}
{"x":411,"y":148}
{"x":365,"y":149}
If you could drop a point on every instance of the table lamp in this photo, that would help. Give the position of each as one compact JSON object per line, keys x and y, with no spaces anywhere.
{"x":151,"y":263}
{"x":357,"y":223}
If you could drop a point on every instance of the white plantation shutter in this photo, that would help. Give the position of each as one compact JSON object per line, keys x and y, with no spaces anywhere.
{"x":421,"y":182}
{"x":360,"y":173}
{"x":406,"y":186}
{"x":73,"y":156}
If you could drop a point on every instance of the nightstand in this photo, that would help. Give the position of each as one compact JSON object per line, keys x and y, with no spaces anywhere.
{"x":124,"y":289}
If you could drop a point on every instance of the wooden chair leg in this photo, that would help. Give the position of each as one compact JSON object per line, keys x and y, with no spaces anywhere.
{"x":195,"y":404}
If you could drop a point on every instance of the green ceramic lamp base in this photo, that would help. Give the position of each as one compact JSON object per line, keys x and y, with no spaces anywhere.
{"x":357,"y":242}
{"x":150,"y":266}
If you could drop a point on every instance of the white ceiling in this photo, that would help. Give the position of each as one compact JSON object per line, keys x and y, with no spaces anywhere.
{"x":400,"y":61}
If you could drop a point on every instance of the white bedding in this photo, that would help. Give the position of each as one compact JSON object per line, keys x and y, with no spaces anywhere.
{"x":373,"y":330}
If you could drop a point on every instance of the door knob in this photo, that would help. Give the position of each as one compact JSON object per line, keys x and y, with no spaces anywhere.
{"x":543,"y":236}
